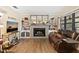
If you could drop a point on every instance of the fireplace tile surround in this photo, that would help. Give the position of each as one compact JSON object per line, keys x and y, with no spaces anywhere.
{"x":39,"y":31}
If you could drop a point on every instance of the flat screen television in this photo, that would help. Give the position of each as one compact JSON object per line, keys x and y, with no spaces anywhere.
{"x":12,"y":26}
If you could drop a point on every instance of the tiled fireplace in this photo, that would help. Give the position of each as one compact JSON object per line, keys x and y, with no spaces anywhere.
{"x":39,"y":31}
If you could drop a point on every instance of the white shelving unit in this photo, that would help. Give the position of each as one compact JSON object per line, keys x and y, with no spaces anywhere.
{"x":25,"y":29}
{"x":25,"y":34}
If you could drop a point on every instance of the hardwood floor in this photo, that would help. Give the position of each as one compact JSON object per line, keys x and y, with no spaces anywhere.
{"x":35,"y":45}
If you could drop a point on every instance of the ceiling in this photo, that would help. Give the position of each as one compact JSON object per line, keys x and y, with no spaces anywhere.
{"x":44,"y":10}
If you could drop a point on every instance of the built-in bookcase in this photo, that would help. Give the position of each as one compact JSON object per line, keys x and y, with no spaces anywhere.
{"x":25,"y":29}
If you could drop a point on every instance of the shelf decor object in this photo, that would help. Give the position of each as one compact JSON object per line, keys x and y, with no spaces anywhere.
{"x":25,"y":24}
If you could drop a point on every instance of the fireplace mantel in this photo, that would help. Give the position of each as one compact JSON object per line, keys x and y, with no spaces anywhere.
{"x":39,"y":26}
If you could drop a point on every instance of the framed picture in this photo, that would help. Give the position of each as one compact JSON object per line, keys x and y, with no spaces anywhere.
{"x":12,"y":25}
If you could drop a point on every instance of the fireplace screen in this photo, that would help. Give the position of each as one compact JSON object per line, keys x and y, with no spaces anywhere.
{"x":39,"y":32}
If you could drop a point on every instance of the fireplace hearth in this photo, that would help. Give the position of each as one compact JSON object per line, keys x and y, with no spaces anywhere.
{"x":39,"y":32}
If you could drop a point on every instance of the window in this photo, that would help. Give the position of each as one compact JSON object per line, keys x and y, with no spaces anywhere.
{"x":77,"y":22}
{"x":62,"y":23}
{"x":69,"y":22}
{"x":39,"y":19}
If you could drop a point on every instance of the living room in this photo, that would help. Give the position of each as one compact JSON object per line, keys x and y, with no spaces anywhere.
{"x":36,"y":29}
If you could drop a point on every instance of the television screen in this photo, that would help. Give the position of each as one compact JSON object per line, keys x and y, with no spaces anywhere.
{"x":12,"y":26}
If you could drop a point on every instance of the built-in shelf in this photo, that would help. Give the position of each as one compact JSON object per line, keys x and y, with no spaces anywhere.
{"x":25,"y":29}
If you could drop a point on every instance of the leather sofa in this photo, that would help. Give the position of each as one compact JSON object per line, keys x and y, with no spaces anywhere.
{"x":59,"y":44}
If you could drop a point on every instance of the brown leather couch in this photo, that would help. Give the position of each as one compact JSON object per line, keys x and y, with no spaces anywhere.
{"x":56,"y":37}
{"x":70,"y":34}
{"x":59,"y":44}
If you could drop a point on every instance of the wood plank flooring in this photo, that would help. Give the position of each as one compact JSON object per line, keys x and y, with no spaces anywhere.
{"x":33,"y":45}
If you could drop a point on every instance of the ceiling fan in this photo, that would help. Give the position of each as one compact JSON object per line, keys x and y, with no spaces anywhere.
{"x":15,"y":7}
